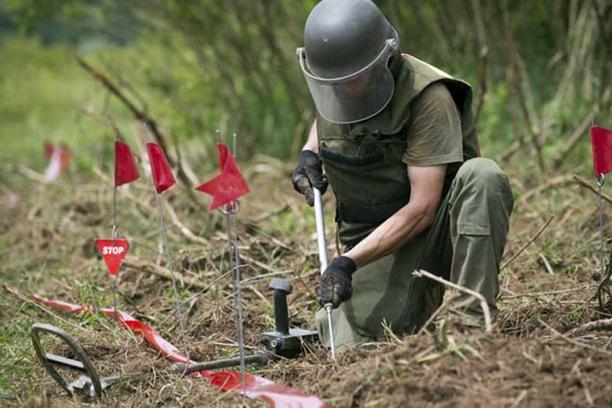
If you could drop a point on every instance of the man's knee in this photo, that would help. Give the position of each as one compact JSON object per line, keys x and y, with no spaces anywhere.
{"x":481,"y":170}
{"x":484,"y":178}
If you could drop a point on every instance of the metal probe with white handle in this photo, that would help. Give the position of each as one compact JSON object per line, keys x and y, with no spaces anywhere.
{"x":322,"y":243}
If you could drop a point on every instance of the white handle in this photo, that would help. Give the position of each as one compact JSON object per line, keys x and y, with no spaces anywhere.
{"x":320,"y":221}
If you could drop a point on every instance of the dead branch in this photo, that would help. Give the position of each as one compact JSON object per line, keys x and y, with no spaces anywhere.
{"x":482,"y":66}
{"x":572,"y":341}
{"x":601,"y":26}
{"x":162,"y":272}
{"x":561,"y":181}
{"x":537,"y":234}
{"x":574,"y":139}
{"x":478,"y":296}
{"x":123,"y":83}
{"x":516,"y":82}
{"x":584,"y":183}
{"x":435,"y":314}
{"x":137,"y":112}
{"x":259,"y":264}
{"x":549,"y":293}
{"x":206,"y":289}
{"x":552,"y":183}
{"x":265,"y":215}
{"x":26,"y":299}
{"x":517,"y":402}
{"x":596,"y":325}
{"x":104,"y":120}
{"x":141,"y":116}
{"x":32,"y":174}
{"x":187,"y":233}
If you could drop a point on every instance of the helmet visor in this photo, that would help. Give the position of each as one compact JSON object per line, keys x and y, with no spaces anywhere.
{"x":355,"y":97}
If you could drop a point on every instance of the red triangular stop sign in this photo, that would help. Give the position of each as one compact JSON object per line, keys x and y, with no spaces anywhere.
{"x":113,"y":251}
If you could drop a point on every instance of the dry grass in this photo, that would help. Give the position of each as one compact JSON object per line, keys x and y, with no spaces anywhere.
{"x":47,"y":247}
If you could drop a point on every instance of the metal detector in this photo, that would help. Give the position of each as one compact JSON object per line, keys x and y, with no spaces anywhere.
{"x":282,"y":343}
{"x":89,"y":383}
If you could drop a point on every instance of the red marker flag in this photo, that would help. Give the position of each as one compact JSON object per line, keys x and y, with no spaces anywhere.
{"x":229,"y":185}
{"x":601,"y":141}
{"x":63,"y":151}
{"x":48,"y":148}
{"x":162,"y":175}
{"x":125,"y":166}
{"x":59,"y":159}
{"x":113,"y":251}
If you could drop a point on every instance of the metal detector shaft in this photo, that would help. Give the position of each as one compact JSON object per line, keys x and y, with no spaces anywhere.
{"x":322,"y":244}
{"x":259,"y":358}
{"x":320,"y":221}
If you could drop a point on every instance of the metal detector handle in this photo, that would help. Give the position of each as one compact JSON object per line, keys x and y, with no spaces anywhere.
{"x":320,"y":221}
{"x":48,"y":360}
{"x":258,"y":358}
{"x":281,"y":289}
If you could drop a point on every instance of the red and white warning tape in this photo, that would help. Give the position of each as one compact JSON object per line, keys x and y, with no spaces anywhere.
{"x":278,"y":396}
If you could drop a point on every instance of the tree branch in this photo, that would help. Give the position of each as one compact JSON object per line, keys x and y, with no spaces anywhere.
{"x":142,"y":117}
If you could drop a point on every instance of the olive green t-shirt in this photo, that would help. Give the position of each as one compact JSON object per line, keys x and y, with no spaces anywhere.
{"x":433,"y":132}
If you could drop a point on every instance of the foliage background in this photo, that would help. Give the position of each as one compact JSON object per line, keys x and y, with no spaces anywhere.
{"x":539,"y":68}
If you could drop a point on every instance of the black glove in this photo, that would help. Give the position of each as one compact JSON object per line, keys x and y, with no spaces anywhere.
{"x":335,"y":286}
{"x":308,"y":174}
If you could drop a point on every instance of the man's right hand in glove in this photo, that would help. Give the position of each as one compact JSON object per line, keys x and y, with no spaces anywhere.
{"x":336,"y":283}
{"x":309,"y":174}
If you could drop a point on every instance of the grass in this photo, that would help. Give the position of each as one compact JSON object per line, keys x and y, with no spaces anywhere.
{"x":17,"y":355}
{"x":405,"y":370}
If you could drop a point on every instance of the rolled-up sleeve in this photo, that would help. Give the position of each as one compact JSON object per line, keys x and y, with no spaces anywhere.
{"x":433,"y":132}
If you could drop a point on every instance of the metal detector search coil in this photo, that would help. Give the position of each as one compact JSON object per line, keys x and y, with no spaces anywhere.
{"x":91,"y":384}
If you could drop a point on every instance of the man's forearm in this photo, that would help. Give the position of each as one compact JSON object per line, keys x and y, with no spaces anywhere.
{"x":425,"y":192}
{"x":396,"y":231}
{"x":312,"y":143}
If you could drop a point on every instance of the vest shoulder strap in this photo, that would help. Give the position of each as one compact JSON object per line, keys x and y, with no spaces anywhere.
{"x":412,"y":76}
{"x":424,"y":73}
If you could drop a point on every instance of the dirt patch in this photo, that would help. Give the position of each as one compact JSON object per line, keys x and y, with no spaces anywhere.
{"x":47,"y":248}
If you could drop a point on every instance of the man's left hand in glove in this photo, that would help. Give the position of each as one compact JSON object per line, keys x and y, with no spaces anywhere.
{"x":335,"y":286}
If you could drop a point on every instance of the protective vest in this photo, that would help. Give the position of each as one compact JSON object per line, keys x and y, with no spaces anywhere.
{"x":363,"y":161}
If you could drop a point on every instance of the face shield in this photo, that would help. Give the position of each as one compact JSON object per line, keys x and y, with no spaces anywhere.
{"x":355,"y":97}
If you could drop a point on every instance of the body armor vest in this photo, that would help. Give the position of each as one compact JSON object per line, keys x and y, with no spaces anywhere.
{"x":363,"y":161}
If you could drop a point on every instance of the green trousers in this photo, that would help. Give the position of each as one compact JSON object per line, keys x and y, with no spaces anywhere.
{"x":464,"y":244}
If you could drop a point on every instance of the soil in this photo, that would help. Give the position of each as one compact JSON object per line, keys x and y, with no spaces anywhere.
{"x":530,"y":360}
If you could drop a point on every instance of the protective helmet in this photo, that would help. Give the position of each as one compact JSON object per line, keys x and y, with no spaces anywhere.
{"x":347,"y":46}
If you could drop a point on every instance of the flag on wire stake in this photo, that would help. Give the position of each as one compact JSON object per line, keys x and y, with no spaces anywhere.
{"x":163,"y":179}
{"x":59,"y":159}
{"x":226,"y":188}
{"x":601,"y":142}
{"x":126,"y":170}
{"x":114,"y":250}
